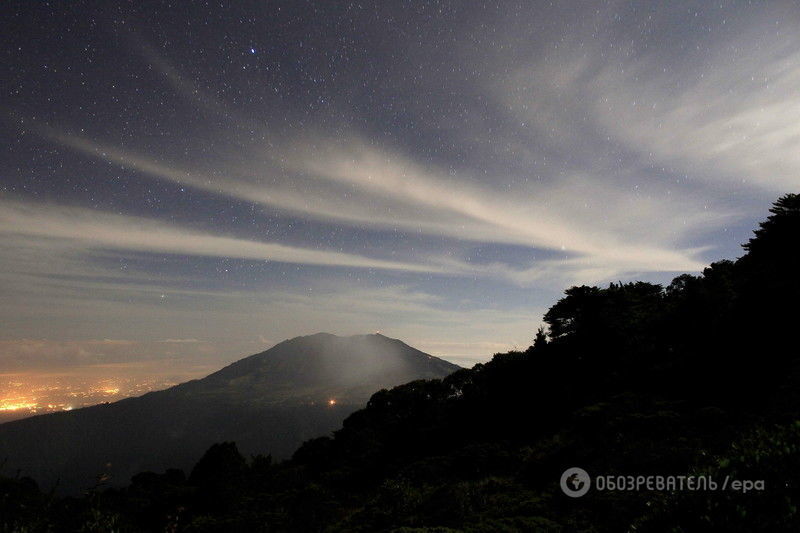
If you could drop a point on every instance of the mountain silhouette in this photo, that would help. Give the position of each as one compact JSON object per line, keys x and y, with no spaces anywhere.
{"x":697,"y":379}
{"x":268,"y":403}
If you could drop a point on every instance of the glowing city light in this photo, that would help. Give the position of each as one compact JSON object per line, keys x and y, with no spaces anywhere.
{"x":15,"y":406}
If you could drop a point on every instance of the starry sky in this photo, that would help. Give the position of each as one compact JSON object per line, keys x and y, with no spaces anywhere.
{"x":185,"y":183}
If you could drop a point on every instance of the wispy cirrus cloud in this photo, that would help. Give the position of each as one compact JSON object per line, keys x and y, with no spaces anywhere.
{"x":381,"y":189}
{"x":555,"y":216}
{"x":736,"y":120}
{"x":98,"y":230}
{"x":603,"y":227}
{"x":345,"y":179}
{"x":718,"y":109}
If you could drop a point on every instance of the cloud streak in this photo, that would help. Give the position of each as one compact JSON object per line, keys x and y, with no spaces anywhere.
{"x":723,"y":113}
{"x":350,"y":181}
{"x":100,"y":230}
{"x":411,"y":198}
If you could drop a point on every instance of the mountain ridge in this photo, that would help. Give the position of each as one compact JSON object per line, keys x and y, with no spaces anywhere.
{"x":269,"y":402}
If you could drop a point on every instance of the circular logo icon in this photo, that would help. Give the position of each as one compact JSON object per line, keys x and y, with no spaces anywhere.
{"x":575,"y":482}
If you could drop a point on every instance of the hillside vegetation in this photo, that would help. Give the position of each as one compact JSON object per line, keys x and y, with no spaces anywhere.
{"x":698,"y":377}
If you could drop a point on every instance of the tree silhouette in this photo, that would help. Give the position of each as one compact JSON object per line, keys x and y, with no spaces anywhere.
{"x":631,"y":378}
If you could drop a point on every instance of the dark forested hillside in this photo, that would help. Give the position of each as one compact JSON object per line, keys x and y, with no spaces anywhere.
{"x":698,"y":377}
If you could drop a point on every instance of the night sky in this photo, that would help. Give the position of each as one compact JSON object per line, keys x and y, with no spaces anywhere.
{"x":183,"y":184}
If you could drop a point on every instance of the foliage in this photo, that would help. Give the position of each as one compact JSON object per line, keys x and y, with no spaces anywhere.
{"x":633,"y":378}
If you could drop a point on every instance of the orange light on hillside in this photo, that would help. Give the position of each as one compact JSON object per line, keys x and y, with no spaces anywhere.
{"x":331,"y":402}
